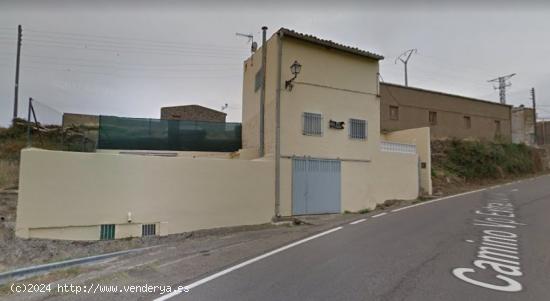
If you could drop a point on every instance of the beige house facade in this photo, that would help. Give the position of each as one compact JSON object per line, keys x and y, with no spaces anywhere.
{"x":322,"y":152}
{"x":336,"y":84}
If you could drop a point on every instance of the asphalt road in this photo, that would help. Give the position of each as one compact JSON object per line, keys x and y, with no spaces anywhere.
{"x":409,"y":254}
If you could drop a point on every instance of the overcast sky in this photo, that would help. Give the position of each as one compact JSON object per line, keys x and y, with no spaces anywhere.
{"x":131,"y":58}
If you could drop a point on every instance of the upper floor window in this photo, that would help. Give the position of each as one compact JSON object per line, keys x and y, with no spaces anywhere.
{"x":312,"y":124}
{"x":358,"y":129}
{"x":432,"y":118}
{"x":467,"y":122}
{"x":394,"y":113}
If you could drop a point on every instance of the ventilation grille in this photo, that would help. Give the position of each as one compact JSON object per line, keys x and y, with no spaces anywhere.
{"x":148,"y":230}
{"x":107,"y":232}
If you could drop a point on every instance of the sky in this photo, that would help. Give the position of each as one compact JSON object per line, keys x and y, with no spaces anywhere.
{"x":129,"y":58}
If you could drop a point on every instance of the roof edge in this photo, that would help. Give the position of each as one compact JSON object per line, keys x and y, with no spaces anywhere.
{"x":447,"y":94}
{"x":329,"y":43}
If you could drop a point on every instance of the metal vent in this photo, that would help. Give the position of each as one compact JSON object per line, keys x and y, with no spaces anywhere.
{"x":148,"y":230}
{"x":107,"y":232}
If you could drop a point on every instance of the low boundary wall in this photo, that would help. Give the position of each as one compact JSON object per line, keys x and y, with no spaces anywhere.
{"x":68,"y":195}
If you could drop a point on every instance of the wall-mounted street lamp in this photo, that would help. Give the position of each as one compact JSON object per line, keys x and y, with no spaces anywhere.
{"x":295,"y":68}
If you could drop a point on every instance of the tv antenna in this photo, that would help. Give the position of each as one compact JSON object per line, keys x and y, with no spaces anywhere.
{"x":253,"y":45}
{"x":225,"y":107}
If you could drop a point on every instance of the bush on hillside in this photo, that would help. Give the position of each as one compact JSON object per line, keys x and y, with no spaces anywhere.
{"x":480,"y":160}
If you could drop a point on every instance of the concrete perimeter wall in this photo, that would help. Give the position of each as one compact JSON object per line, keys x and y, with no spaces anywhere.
{"x":68,"y":195}
{"x":421,"y":138}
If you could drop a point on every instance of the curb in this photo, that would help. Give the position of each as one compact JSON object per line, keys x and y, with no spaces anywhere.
{"x":62,"y":264}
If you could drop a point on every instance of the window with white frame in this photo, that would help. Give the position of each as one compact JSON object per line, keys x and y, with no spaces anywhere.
{"x":357,"y":129}
{"x":312,"y":124}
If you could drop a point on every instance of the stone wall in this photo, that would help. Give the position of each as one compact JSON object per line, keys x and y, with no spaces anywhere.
{"x":192,"y":112}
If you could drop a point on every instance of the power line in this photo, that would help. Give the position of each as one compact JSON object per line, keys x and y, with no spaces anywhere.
{"x":129,"y":68}
{"x":118,"y":38}
{"x":48,"y":45}
{"x":130,"y":76}
{"x":71,"y":42}
{"x":122,"y":63}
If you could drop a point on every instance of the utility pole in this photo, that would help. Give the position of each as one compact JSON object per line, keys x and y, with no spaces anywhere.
{"x":262,"y":92}
{"x":502,"y":84}
{"x":404,"y":58}
{"x":16,"y":95}
{"x":534,"y":112}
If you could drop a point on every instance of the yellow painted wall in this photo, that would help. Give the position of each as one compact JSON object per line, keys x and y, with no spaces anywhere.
{"x":340,"y":86}
{"x":337,"y":85}
{"x":388,"y":176}
{"x":421,"y":138}
{"x":78,"y":191}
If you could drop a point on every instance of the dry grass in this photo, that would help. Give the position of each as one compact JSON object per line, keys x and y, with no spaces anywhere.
{"x":9,"y":173}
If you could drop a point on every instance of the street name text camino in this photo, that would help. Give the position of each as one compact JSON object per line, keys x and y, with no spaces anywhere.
{"x":498,"y":251}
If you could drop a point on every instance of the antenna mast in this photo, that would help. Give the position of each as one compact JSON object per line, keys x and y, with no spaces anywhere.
{"x":253,"y":45}
{"x":404,"y":58}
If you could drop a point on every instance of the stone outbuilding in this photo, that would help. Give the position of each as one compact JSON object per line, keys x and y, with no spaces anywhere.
{"x":192,"y":112}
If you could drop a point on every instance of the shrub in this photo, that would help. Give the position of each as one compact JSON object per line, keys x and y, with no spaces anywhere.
{"x":477,"y":160}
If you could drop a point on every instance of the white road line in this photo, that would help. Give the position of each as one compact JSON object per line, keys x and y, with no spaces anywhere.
{"x":240,"y":265}
{"x":380,"y":214}
{"x":358,"y":221}
{"x":437,"y":200}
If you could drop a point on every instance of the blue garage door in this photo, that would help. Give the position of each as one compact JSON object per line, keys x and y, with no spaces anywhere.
{"x":315,"y":186}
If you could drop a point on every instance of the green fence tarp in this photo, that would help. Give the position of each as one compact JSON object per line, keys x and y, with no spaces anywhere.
{"x":172,"y":135}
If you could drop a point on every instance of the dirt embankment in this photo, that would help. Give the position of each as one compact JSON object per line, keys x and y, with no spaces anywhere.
{"x":459,"y":165}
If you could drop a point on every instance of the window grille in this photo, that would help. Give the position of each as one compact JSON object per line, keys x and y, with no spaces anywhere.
{"x":357,"y":129}
{"x":148,"y":230}
{"x":107,"y":232}
{"x":312,"y":124}
{"x":394,"y":147}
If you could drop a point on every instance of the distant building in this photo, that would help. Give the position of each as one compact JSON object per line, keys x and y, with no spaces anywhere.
{"x":192,"y":112}
{"x":523,"y":125}
{"x":543,"y":132}
{"x":75,"y":120}
{"x":447,"y":115}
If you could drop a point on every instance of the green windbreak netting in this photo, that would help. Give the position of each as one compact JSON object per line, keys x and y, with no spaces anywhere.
{"x":175,"y":135}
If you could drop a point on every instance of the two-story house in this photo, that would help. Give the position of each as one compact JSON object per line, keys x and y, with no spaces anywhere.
{"x":321,"y":125}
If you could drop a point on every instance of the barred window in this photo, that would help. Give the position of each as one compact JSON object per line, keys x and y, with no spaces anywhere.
{"x":148,"y":230}
{"x":107,"y":232}
{"x":357,"y":129}
{"x":312,"y":124}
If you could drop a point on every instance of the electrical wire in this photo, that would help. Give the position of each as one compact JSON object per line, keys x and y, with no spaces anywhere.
{"x":123,"y":63}
{"x":41,"y":68}
{"x":49,"y":45}
{"x":119,"y":38}
{"x":119,"y":46}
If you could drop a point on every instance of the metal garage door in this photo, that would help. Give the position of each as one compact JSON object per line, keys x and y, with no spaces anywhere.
{"x":315,"y":186}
